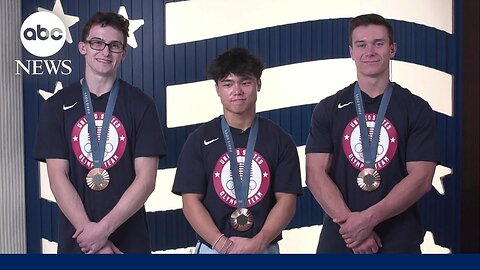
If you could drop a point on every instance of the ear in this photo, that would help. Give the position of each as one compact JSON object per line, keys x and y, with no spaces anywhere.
{"x":350,"y":49}
{"x":393,"y":50}
{"x":259,"y":85}
{"x":82,"y":48}
{"x":124,"y":54}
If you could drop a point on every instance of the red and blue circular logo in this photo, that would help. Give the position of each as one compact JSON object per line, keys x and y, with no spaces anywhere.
{"x":352,"y":143}
{"x":258,"y":183}
{"x":115,"y":143}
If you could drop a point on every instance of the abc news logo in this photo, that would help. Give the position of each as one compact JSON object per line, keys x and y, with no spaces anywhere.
{"x":43,"y":34}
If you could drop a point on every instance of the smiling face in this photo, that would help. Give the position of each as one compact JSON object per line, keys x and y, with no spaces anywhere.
{"x":371,"y":50}
{"x":238,"y":94}
{"x":104,"y":62}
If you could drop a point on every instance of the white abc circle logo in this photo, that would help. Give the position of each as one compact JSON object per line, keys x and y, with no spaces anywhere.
{"x":43,"y":34}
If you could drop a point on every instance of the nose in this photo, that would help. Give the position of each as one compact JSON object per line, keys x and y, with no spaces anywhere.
{"x":237,"y":89}
{"x":370,"y":49}
{"x":106,"y":50}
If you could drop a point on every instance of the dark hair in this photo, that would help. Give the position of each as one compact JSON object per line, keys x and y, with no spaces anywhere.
{"x":238,"y":61}
{"x":103,"y":19}
{"x":369,"y":19}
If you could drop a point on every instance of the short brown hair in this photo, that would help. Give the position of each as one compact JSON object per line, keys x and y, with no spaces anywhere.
{"x":369,"y":19}
{"x":103,"y":19}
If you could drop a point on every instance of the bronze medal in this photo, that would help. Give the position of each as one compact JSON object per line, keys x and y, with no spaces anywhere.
{"x":368,"y":179}
{"x":241,"y":219}
{"x":98,"y":179}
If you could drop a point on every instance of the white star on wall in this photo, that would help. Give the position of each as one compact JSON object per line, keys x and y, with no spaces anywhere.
{"x":440,"y":172}
{"x":46,"y":94}
{"x":430,"y":247}
{"x":134,"y":25}
{"x":66,"y":19}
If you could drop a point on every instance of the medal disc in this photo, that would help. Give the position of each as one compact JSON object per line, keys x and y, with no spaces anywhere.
{"x":98,"y":179}
{"x":368,"y":179}
{"x":241,"y":219}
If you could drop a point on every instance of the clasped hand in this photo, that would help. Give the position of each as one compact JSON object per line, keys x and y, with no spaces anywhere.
{"x":93,"y":238}
{"x":357,"y":232}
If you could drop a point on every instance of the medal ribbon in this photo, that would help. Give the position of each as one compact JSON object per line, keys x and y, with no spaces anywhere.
{"x":370,"y":149}
{"x":98,"y":146}
{"x":240,"y":183}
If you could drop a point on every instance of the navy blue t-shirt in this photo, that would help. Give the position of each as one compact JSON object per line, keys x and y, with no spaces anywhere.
{"x":408,"y":134}
{"x":134,"y":131}
{"x":204,"y":168}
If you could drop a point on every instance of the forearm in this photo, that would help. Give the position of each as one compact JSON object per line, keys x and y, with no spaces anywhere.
{"x":135,"y":196}
{"x":277,"y":220}
{"x":65,"y":194}
{"x":406,"y":193}
{"x":329,"y":197}
{"x":199,"y":218}
{"x":131,"y":201}
{"x":322,"y":186}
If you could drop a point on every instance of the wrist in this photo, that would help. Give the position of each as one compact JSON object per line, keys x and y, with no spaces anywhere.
{"x":107,"y":228}
{"x":227,"y":243}
{"x":261,"y":239}
{"x":217,"y":240}
{"x":371,"y":217}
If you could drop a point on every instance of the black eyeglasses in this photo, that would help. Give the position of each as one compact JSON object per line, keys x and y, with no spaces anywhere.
{"x":99,"y":45}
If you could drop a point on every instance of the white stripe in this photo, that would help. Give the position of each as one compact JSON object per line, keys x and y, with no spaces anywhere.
{"x":45,"y":191}
{"x":188,"y":21}
{"x":435,"y":86}
{"x":305,"y":83}
{"x":49,"y":247}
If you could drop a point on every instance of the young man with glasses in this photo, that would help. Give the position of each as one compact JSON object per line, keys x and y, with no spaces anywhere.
{"x":101,"y":139}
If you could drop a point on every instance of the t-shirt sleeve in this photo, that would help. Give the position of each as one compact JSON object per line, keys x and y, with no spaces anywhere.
{"x":422,"y":144}
{"x":149,"y":136}
{"x":50,"y":140}
{"x":287,"y":177}
{"x":319,"y":138}
{"x":190,"y":176}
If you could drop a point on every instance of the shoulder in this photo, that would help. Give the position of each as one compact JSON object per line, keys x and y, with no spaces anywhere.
{"x":272,"y":129}
{"x":66,"y":95}
{"x":407,"y":98}
{"x":265,"y":122}
{"x":342,"y":96}
{"x":134,"y":93}
{"x":331,"y":102}
{"x":207,"y":130}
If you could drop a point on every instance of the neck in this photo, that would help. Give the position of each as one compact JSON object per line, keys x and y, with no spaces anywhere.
{"x":373,"y":87}
{"x":99,"y":85}
{"x":242,"y":122}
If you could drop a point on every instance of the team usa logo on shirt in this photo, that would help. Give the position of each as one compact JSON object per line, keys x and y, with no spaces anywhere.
{"x":115,"y":144}
{"x":258,"y":183}
{"x":352,"y":143}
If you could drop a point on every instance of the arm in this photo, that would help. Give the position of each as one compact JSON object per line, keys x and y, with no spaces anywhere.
{"x":407,"y":192}
{"x":322,"y":187}
{"x":278,"y":218}
{"x":65,"y":194}
{"x":94,"y":236}
{"x":200,"y":220}
{"x":331,"y":200}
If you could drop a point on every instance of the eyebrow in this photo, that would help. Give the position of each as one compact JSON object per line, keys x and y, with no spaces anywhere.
{"x":364,"y":41}
{"x":101,"y":39}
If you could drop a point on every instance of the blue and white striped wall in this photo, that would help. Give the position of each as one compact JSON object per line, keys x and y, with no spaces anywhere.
{"x":304,"y":44}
